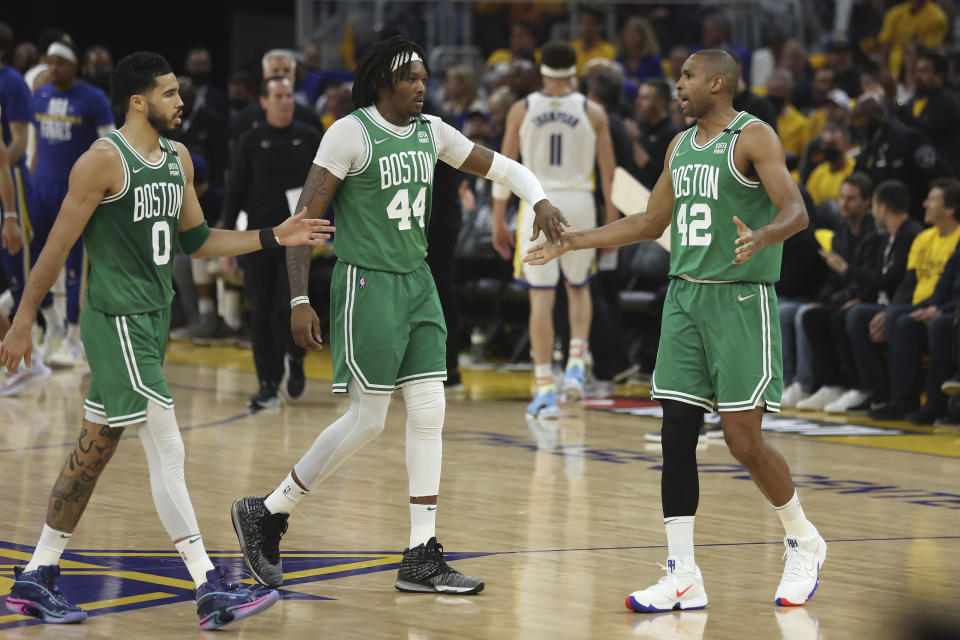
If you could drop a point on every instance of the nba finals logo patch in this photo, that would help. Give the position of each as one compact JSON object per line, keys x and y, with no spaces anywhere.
{"x":423,"y":137}
{"x":363,"y":284}
{"x":720,"y":148}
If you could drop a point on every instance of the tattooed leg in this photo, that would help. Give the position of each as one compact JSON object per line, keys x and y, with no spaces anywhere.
{"x":74,"y":486}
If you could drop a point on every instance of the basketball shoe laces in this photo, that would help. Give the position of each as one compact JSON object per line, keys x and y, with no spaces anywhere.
{"x":670,"y":577}
{"x":795,"y":567}
{"x":274,"y":526}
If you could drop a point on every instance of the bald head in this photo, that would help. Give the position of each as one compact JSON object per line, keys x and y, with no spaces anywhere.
{"x":719,"y":62}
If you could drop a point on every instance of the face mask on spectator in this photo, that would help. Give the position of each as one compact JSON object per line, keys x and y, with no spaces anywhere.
{"x":200,"y":78}
{"x":777,"y":102}
{"x":831,"y":154}
{"x":101,"y":77}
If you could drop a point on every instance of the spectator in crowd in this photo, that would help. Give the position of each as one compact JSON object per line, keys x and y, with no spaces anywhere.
{"x":590,"y":43}
{"x":309,"y":78}
{"x":836,"y":110}
{"x":746,"y":100}
{"x":204,"y":131}
{"x":276,"y":62}
{"x":840,"y":58}
{"x":794,"y":59}
{"x":891,"y":149}
{"x":269,"y":161}
{"x":25,"y":56}
{"x":35,"y":76}
{"x":654,"y":131}
{"x":768,"y":57}
{"x":97,"y":66}
{"x":812,"y":99}
{"x":639,"y":51}
{"x":523,"y":42}
{"x":498,"y":104}
{"x":523,"y":77}
{"x":865,"y":321}
{"x":460,"y":93}
{"x":791,"y":124}
{"x":856,"y":245}
{"x":922,"y":20}
{"x":934,"y":108}
{"x":906,"y":81}
{"x":241,"y":93}
{"x":928,"y":257}
{"x":199,"y":66}
{"x":678,"y":55}
{"x":825,"y":179}
{"x":715,"y":34}
{"x":336,"y":104}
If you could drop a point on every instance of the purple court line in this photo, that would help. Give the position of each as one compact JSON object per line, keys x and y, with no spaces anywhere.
{"x":205,"y":425}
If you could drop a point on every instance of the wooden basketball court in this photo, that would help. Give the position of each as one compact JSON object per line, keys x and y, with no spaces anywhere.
{"x":562,"y":520}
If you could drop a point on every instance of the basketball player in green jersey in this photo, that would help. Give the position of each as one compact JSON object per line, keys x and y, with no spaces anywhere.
{"x":132,"y":196}
{"x":730,"y":203}
{"x":387,"y":331}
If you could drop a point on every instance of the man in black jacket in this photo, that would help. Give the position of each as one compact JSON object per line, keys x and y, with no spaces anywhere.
{"x":934,"y":108}
{"x":270,"y":165}
{"x":855,"y":248}
{"x":655,"y":130}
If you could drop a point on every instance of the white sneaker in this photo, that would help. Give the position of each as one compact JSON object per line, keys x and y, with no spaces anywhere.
{"x":681,"y":588}
{"x":851,"y":398}
{"x":793,"y":394}
{"x":25,"y":377}
{"x":820,"y":399}
{"x":68,"y":354}
{"x":801,"y":573}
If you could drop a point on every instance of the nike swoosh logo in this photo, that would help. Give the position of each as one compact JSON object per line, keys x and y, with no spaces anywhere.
{"x":194,"y":540}
{"x":138,"y":170}
{"x":63,"y":535}
{"x":742,"y":298}
{"x":379,"y":141}
{"x":431,"y":508}
{"x":680,"y":593}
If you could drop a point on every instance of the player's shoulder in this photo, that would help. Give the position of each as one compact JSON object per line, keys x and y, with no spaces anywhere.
{"x":347,"y":124}
{"x":755,"y":133}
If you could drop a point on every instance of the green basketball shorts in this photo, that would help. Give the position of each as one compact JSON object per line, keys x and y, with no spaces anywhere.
{"x":126,"y":355}
{"x":387,"y":329}
{"x":720,"y":343}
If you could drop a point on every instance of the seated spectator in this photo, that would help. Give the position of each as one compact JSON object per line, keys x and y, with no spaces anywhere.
{"x":460,"y":93}
{"x":746,"y":100}
{"x":856,"y":245}
{"x":902,"y":23}
{"x":837,"y":111}
{"x":654,"y":131}
{"x":891,"y":149}
{"x":825,"y":179}
{"x":767,"y":58}
{"x":678,"y":55}
{"x":926,"y":325}
{"x":934,"y":108}
{"x":793,"y":58}
{"x":811,"y":99}
{"x":791,"y":124}
{"x":715,"y":34}
{"x":590,"y":43}
{"x":337,"y":101}
{"x":891,"y":201}
{"x":639,"y":51}
{"x":523,"y":41}
{"x":840,"y":59}
{"x":523,"y":77}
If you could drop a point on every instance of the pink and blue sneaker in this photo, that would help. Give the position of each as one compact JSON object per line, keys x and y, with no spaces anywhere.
{"x":220,"y":600}
{"x":35,"y":594}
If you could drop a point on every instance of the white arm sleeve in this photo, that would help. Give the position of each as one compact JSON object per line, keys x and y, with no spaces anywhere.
{"x":452,"y":146}
{"x":343,"y":147}
{"x":517,"y":178}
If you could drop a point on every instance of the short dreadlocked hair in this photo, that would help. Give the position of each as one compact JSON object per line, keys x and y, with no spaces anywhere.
{"x":375,"y":68}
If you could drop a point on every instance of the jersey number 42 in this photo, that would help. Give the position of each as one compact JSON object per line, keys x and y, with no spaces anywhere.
{"x":694,"y":228}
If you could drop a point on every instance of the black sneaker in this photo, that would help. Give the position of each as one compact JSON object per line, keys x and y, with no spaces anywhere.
{"x":296,"y":381}
{"x":863,"y":408}
{"x":259,"y":533}
{"x":214,"y":332}
{"x":928,"y":413}
{"x":951,"y":387}
{"x":266,"y":398}
{"x":424,"y":571}
{"x":896,"y":410}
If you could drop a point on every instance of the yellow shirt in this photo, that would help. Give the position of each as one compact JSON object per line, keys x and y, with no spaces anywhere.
{"x":602,"y":49}
{"x":900,"y":26}
{"x":793,"y":127}
{"x":928,"y":255}
{"x":816,"y":122}
{"x":824,"y":183}
{"x":506,"y":56}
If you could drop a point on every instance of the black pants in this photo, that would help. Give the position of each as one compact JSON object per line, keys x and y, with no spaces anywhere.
{"x":605,"y":330}
{"x":268,"y":290}
{"x":441,"y":243}
{"x":826,"y":328}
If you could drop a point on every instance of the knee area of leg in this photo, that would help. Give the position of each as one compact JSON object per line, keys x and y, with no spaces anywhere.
{"x":743,"y":449}
{"x":426,"y":405}
{"x":163,"y":432}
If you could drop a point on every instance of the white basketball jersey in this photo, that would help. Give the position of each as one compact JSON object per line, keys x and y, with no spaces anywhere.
{"x":557,"y":141}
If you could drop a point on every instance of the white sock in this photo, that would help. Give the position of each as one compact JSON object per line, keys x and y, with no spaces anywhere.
{"x":577,"y":353}
{"x":285,"y":497}
{"x":423,"y":523}
{"x":544,"y":376}
{"x":205,"y":305}
{"x":73,"y":333}
{"x":195,"y":557}
{"x":795,"y":523}
{"x":49,"y":548}
{"x":679,"y":536}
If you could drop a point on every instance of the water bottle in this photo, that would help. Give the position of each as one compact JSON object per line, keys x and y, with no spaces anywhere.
{"x":478,"y":343}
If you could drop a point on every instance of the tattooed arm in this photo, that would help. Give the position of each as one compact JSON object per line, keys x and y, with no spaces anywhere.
{"x":316,"y":196}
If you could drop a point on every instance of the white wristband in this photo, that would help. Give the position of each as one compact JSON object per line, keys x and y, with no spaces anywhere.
{"x":299,"y":300}
{"x":516,"y":176}
{"x":11,"y":214}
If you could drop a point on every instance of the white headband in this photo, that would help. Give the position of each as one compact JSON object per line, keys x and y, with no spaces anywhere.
{"x":403,"y":58}
{"x":63,"y":51}
{"x":553,"y":72}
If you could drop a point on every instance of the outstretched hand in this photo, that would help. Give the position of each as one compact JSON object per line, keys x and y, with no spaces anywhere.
{"x":546,"y":251}
{"x":549,"y":220}
{"x":747,"y":243}
{"x":298,"y":230}
{"x":16,"y":345}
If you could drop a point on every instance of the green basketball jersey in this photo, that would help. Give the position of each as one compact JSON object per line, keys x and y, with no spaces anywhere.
{"x":708,"y":192}
{"x":130,"y":236}
{"x":383,"y":208}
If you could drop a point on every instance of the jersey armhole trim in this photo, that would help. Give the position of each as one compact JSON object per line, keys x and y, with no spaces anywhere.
{"x":676,"y":147}
{"x":742,"y":179}
{"x":173,"y":150}
{"x":368,"y":156}
{"x":126,"y":175}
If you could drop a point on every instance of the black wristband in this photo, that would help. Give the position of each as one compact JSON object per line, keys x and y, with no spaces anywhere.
{"x":267,"y":239}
